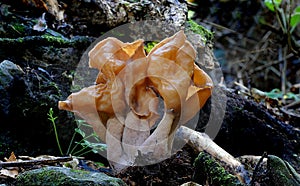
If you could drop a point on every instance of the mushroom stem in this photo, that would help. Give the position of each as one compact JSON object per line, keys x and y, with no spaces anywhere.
{"x":135,"y":133}
{"x":159,"y":143}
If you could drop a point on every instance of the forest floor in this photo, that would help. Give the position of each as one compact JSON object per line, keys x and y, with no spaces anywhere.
{"x":251,"y":56}
{"x":254,"y":53}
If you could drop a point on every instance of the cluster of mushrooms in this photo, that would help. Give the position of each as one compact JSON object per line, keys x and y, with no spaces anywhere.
{"x":139,"y":100}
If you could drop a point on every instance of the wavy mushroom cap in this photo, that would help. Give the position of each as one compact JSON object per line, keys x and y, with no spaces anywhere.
{"x":131,"y":82}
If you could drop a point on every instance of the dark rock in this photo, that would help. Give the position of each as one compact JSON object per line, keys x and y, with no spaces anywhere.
{"x":95,"y":14}
{"x":281,"y":172}
{"x":250,"y":128}
{"x":9,"y":75}
{"x":26,"y":96}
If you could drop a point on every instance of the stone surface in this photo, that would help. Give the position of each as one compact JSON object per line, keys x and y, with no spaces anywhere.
{"x":281,"y":172}
{"x":26,"y":96}
{"x":8,"y":75}
{"x":66,"y":176}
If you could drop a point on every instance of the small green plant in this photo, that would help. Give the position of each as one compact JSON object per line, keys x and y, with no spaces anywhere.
{"x":52,"y":119}
{"x":287,"y":18}
{"x":88,"y":143}
{"x":85,"y":144}
{"x":149,"y":45}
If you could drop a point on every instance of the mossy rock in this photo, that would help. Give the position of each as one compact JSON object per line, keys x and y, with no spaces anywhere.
{"x":281,"y":172}
{"x":207,"y":169}
{"x":66,"y":176}
{"x":196,"y":28}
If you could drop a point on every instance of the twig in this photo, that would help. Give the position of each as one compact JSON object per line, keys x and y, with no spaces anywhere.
{"x":296,"y":85}
{"x":259,"y":68}
{"x":221,"y":27}
{"x":265,"y":155}
{"x":202,"y":142}
{"x":284,"y":68}
{"x":293,"y":105}
{"x":289,"y":113}
{"x":262,"y":44}
{"x":34,"y":162}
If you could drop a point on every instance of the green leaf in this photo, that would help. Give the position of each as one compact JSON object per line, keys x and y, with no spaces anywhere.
{"x":270,"y":4}
{"x":96,"y":138}
{"x":295,"y":19}
{"x":99,"y":164}
{"x":191,"y":14}
{"x":274,"y":94}
{"x":94,"y":146}
{"x":80,"y":132}
{"x":297,"y":9}
{"x":291,"y":95}
{"x":81,"y":122}
{"x":148,"y":46}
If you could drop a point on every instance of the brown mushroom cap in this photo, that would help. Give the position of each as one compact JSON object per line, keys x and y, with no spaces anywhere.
{"x":129,"y":86}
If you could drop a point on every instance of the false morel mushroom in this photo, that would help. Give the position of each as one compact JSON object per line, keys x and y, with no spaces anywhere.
{"x":124,"y":105}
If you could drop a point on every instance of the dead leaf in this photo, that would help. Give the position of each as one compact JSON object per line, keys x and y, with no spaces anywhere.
{"x":10,"y":171}
{"x":13,"y":173}
{"x":12,"y":157}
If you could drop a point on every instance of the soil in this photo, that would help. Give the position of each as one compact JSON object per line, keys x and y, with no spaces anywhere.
{"x":176,"y":170}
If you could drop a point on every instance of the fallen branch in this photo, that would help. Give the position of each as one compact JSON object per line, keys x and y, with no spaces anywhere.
{"x":34,"y":162}
{"x":202,"y":142}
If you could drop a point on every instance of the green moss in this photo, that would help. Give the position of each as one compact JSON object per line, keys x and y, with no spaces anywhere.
{"x":236,"y":108}
{"x":55,"y":39}
{"x":19,"y":28}
{"x":80,"y":172}
{"x":19,"y":40}
{"x":281,"y":172}
{"x":65,"y":176}
{"x":42,"y":177}
{"x":208,"y":169}
{"x":149,"y":45}
{"x":198,"y":29}
{"x":45,"y":40}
